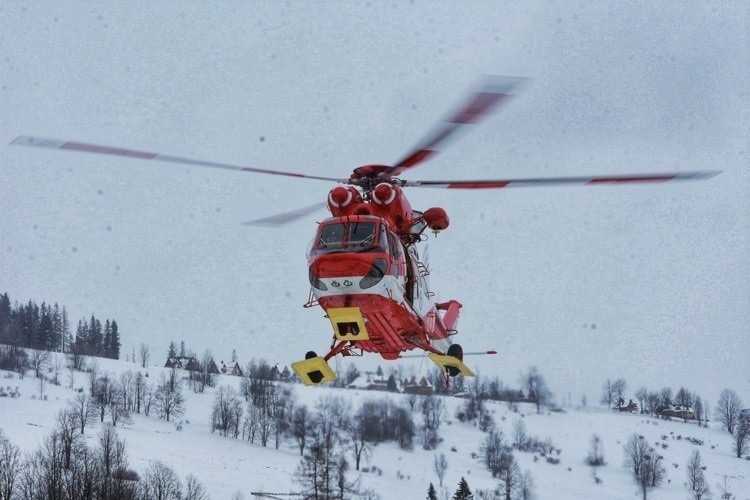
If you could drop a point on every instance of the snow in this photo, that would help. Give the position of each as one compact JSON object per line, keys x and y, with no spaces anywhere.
{"x":225,"y":465}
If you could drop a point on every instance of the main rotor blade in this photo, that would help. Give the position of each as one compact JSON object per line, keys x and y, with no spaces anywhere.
{"x":39,"y":142}
{"x":554,"y":181}
{"x":492,"y":92}
{"x":286,"y":217}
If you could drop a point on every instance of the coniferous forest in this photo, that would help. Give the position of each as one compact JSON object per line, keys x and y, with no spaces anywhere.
{"x":47,"y":327}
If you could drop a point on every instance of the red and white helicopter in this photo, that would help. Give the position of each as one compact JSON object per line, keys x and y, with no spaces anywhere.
{"x":364,"y":268}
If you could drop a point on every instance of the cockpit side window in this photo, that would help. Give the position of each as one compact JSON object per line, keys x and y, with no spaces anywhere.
{"x":331,"y":236}
{"x":361,"y":233}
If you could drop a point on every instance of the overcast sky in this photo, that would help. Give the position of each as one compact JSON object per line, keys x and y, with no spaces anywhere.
{"x":649,"y":283}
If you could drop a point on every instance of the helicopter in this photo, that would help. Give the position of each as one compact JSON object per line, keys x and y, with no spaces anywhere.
{"x":365,"y":270}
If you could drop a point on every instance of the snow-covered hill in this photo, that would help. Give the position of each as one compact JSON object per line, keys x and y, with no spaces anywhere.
{"x":648,"y":283}
{"x":226,"y":466}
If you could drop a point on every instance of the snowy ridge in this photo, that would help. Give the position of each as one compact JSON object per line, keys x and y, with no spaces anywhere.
{"x":226,"y":466}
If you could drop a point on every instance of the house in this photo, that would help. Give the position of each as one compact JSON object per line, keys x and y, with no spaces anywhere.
{"x":370,"y":383}
{"x":422,"y":388}
{"x":231,"y":369}
{"x":631,"y":407}
{"x":188,"y":363}
{"x":676,"y":411}
{"x":212,"y":368}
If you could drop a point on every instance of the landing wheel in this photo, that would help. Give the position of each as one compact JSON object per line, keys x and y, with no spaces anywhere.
{"x":316,"y":376}
{"x":456,"y":351}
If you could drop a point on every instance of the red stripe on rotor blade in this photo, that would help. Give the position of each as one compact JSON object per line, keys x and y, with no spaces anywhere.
{"x":478,"y":185}
{"x":93,"y":148}
{"x":621,"y":180}
{"x":481,"y":104}
{"x":415,"y":158}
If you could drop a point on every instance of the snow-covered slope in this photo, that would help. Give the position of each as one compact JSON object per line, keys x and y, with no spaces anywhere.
{"x":226,"y":465}
{"x":645,"y":282}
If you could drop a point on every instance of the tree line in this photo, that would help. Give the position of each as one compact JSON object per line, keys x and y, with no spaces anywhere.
{"x":47,"y":327}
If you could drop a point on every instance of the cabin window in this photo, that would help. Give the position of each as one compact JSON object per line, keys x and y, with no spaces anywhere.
{"x":361,"y":233}
{"x":331,"y":236}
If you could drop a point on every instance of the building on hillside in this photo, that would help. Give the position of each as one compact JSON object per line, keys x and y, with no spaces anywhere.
{"x":212,"y":368}
{"x":423,"y":388}
{"x":231,"y":369}
{"x":284,"y":375}
{"x":676,"y":411}
{"x":631,"y":407}
{"x":372,"y":383}
{"x":188,"y":363}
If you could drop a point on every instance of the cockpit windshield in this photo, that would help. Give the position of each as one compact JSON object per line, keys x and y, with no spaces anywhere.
{"x":354,"y":235}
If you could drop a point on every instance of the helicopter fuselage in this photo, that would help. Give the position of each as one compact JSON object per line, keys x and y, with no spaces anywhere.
{"x":361,"y":268}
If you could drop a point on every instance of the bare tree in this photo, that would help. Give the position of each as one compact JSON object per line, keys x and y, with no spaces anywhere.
{"x":168,"y":396}
{"x":111,"y":458}
{"x":696,"y":480}
{"x":433,"y":410}
{"x":441,"y":466}
{"x":641,"y":394}
{"x":595,"y":457}
{"x":194,"y":489}
{"x":10,"y":467}
{"x":698,"y":410}
{"x":741,"y":436}
{"x":685,"y":399}
{"x":494,"y":453}
{"x":644,"y":464}
{"x":728,"y":409}
{"x":41,"y":384}
{"x":160,"y":483}
{"x":56,"y":370}
{"x":619,"y":386}
{"x":67,"y":428}
{"x":613,"y":392}
{"x":39,"y":361}
{"x":145,"y":354}
{"x":608,"y":393}
{"x":93,"y":371}
{"x":225,"y":416}
{"x":536,"y":388}
{"x":301,"y":427}
{"x":357,"y":432}
{"x":83,"y":409}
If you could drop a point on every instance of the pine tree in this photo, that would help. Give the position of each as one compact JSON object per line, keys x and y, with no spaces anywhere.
{"x":67,"y":336}
{"x":463,"y":492}
{"x":5,"y":315}
{"x":114,"y":347}
{"x":107,"y":340}
{"x":57,"y":340}
{"x":172,"y":353}
{"x":431,"y":493}
{"x":95,"y":337}
{"x":44,"y":332}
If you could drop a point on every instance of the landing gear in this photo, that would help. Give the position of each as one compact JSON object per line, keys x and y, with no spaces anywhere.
{"x":457,"y":352}
{"x":313,"y":369}
{"x":451,"y":363}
